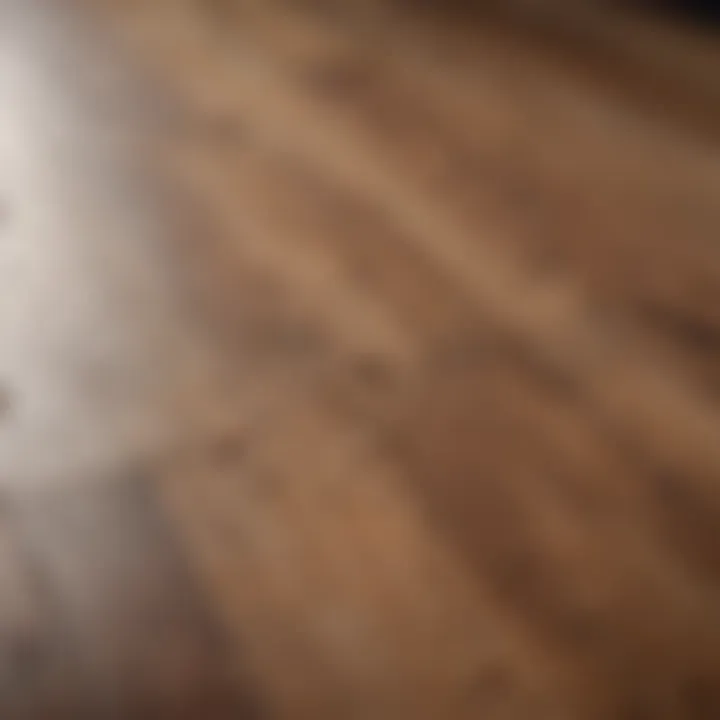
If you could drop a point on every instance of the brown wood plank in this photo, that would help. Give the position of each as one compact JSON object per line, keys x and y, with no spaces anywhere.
{"x":357,"y":360}
{"x":124,"y":602}
{"x":40,"y":671}
{"x":346,"y":600}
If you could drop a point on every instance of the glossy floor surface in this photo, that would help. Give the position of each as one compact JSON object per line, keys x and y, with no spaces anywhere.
{"x":358,"y":362}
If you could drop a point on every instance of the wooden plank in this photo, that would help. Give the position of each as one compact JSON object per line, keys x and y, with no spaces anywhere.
{"x":332,"y":384}
{"x":41,"y":672}
{"x":346,"y":600}
{"x":147,"y":645}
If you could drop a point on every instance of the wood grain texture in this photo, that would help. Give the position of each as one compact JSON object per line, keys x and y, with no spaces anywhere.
{"x":358,"y":360}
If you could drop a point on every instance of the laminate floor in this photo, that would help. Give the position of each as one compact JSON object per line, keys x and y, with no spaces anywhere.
{"x":358,"y":361}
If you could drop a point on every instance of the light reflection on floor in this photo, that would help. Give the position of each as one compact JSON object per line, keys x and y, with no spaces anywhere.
{"x":89,"y":360}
